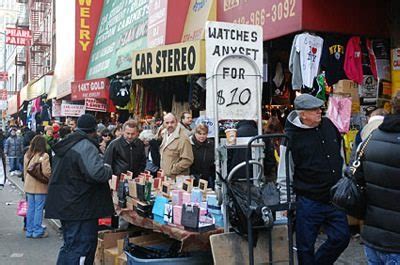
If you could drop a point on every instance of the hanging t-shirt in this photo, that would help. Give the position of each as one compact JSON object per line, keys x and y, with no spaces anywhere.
{"x":310,"y":49}
{"x":332,"y":60}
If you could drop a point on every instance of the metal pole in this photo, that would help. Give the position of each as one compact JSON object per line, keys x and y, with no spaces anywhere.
{"x":5,"y":81}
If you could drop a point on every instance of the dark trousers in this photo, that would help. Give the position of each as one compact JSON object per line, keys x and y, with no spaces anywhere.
{"x":310,"y":217}
{"x":80,"y":242}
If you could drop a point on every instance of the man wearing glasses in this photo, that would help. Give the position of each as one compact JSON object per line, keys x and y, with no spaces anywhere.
{"x":316,"y":164}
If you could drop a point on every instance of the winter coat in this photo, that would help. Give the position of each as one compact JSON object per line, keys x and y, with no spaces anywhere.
{"x":380,"y":173}
{"x":176,"y":153}
{"x":124,"y":156}
{"x":204,"y":162}
{"x":13,"y":146}
{"x":316,"y":158}
{"x":154,"y":151}
{"x":31,"y":185}
{"x":78,"y":188}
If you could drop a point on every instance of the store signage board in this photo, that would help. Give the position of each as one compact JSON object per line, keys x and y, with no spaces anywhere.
{"x":199,"y":12}
{"x":56,"y":108}
{"x":157,"y":23}
{"x":95,"y":88}
{"x":236,"y":94}
{"x":277,"y":17}
{"x":396,"y":59}
{"x":18,"y":36}
{"x":170,"y":60}
{"x":87,"y":17}
{"x":71,"y":110}
{"x":122,"y":29}
{"x":93,"y":104}
{"x":3,"y":76}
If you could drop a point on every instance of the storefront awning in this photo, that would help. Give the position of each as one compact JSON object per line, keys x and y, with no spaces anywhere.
{"x":170,"y":60}
{"x":24,"y":93}
{"x":13,"y":104}
{"x":40,"y":87}
{"x":279,"y":18}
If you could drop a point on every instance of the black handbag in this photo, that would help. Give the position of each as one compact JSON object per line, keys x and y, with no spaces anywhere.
{"x":347,"y":194}
{"x":35,"y":170}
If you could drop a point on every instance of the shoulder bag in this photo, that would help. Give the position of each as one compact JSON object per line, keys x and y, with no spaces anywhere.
{"x":35,"y":170}
{"x":347,"y":194}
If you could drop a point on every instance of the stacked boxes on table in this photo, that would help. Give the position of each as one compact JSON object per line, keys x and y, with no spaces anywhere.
{"x":182,"y":202}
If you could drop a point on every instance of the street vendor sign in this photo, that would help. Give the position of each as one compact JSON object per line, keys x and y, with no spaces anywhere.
{"x":237,"y":92}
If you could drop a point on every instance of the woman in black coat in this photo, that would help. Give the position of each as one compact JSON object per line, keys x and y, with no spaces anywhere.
{"x":203,"y":166}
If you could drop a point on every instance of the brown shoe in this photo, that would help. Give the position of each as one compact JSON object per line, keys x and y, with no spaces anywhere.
{"x":44,"y":235}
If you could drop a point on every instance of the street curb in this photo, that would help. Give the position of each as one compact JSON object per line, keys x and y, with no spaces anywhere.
{"x":52,"y":222}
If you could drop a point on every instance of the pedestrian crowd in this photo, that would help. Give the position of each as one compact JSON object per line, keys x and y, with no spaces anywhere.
{"x":66,"y":170}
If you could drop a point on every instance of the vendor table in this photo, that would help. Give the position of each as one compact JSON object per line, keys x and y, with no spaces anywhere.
{"x":191,"y":241}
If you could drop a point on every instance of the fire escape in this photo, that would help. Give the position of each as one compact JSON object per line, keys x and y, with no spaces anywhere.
{"x":40,"y":26}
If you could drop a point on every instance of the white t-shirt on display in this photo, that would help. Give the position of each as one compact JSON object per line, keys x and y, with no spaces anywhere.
{"x":310,"y":49}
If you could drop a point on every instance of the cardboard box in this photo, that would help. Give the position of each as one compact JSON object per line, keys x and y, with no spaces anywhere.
{"x":349,"y":87}
{"x":122,"y":259}
{"x":108,"y":239}
{"x":111,"y":256}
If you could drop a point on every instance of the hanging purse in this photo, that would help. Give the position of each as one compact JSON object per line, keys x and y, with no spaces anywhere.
{"x":347,"y":194}
{"x":35,"y":170}
{"x":22,"y":208}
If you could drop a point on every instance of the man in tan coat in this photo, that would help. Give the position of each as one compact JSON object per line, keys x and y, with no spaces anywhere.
{"x":176,"y":150}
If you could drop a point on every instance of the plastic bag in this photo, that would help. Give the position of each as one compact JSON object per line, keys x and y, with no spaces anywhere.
{"x":339,"y":112}
{"x":348,"y":196}
{"x":22,"y":208}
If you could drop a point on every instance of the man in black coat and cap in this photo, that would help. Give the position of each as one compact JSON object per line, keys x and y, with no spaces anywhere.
{"x":79,"y":193}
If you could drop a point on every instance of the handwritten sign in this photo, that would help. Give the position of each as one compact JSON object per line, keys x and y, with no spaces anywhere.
{"x":236,"y":97}
{"x":94,"y":104}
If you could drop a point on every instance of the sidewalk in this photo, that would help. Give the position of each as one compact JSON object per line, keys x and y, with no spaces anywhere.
{"x":17,"y":182}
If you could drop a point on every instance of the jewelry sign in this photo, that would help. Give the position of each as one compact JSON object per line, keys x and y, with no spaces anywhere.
{"x":234,"y":58}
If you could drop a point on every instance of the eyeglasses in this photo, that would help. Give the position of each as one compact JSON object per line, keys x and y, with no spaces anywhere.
{"x":106,"y":135}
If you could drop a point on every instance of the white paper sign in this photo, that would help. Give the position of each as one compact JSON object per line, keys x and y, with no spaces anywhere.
{"x":223,"y":39}
{"x":72,"y":110}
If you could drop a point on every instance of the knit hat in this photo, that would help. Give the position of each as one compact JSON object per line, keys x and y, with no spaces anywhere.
{"x":87,"y":123}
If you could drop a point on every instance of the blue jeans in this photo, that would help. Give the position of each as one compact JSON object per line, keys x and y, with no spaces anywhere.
{"x":80,"y":242}
{"x":15,"y":163}
{"x":34,"y":215}
{"x":310,"y":217}
{"x":377,"y":257}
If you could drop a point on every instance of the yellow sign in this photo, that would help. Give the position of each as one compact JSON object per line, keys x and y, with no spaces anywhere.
{"x":396,"y":72}
{"x":170,"y":60}
{"x":199,"y":12}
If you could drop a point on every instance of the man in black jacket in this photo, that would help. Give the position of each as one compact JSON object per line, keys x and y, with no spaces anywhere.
{"x":316,"y":165}
{"x":380,"y":173}
{"x":79,"y":193}
{"x":127,"y":152}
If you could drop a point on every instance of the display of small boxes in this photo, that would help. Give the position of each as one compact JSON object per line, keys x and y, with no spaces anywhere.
{"x":186,"y":197}
{"x":177,"y":197}
{"x":132,"y":188}
{"x":114,"y":182}
{"x":158,"y":209}
{"x":197,"y":195}
{"x":143,"y":209}
{"x":177,"y":214}
{"x":168,"y":213}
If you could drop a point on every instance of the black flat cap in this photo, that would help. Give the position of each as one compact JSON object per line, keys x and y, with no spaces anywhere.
{"x":306,"y":101}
